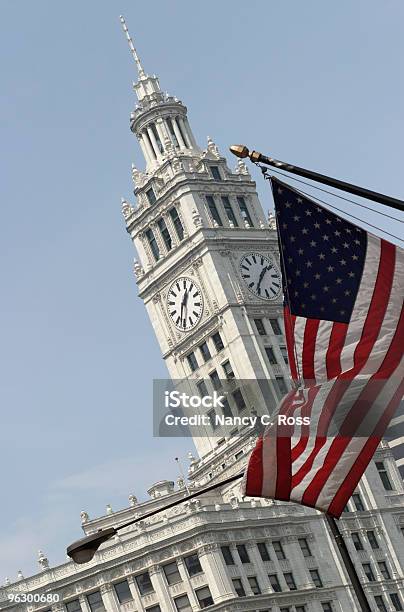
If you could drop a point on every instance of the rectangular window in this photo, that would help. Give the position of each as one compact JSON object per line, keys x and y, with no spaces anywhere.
{"x":182,"y":604}
{"x":226,"y":408}
{"x":215,"y":173}
{"x":212,"y":418}
{"x":179,"y":229}
{"x":151,"y":239}
{"x":275,"y":584}
{"x":192,"y":362}
{"x":384,"y":570}
{"x":367,"y":568}
{"x":239,"y":399}
{"x":227,"y":555}
{"x":357,"y":542}
{"x":315,"y":576}
{"x":284,"y":352}
{"x":327,"y":606}
{"x":238,"y":587}
{"x":144,"y":583}
{"x":357,"y":500}
{"x":229,"y":211}
{"x":193,"y":565}
{"x":151,"y":196}
{"x":300,"y":608}
{"x":216,"y":382}
{"x":218,"y":342}
{"x":259,"y":324}
{"x":228,"y":370}
{"x":278,"y":548}
{"x":372,"y":539}
{"x":242,"y":553}
{"x":122,"y":591}
{"x":304,"y":547}
{"x":263,"y":550}
{"x":154,"y":609}
{"x":204,"y":597}
{"x":205,"y":352}
{"x":255,"y":587}
{"x":202,"y":388}
{"x":395,"y":600}
{"x":171,"y":573}
{"x":74,"y":606}
{"x":380,"y":603}
{"x":213,"y":210}
{"x":95,"y":602}
{"x":271,"y":355}
{"x":276,"y":328}
{"x":290,"y":581}
{"x":384,"y":477}
{"x":285,"y":609}
{"x":282,"y":388}
{"x":244,"y":211}
{"x":165,"y":234}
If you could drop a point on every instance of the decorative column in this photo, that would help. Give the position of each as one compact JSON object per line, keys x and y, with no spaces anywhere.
{"x":84,"y":603}
{"x":156,"y":576}
{"x":108,"y":597}
{"x":160,"y":127}
{"x":178,"y":134}
{"x":153,"y":141}
{"x":136,"y":597}
{"x":186,"y":579}
{"x":262,"y":575}
{"x":149,"y":147}
{"x":189,"y":132}
{"x":217,"y":578}
{"x":299,"y":566}
{"x":145,"y":152}
{"x":184,"y":130}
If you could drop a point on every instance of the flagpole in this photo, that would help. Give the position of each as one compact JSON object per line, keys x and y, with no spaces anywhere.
{"x":256,"y":157}
{"x":349,"y":566}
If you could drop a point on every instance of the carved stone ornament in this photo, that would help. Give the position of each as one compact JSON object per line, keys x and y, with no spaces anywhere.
{"x":84,"y":517}
{"x":241,"y":168}
{"x":138,"y":269}
{"x":133,"y":500}
{"x":139,"y":178}
{"x":212,"y":148}
{"x":127,"y":209}
{"x":271,"y":221}
{"x":197,"y":219}
{"x":42,"y":561}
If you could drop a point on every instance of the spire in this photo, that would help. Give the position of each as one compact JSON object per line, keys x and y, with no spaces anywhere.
{"x":132,"y":48}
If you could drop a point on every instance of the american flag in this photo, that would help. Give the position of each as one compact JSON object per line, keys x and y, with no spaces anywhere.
{"x":344,"y":326}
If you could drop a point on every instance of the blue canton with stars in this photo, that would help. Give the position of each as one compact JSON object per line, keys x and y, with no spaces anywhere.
{"x":322,"y":257}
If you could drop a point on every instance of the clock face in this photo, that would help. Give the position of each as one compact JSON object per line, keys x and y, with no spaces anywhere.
{"x":261,"y":275}
{"x":185,"y":303}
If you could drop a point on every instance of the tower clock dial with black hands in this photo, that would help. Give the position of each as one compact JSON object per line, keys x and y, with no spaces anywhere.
{"x":185,"y":303}
{"x":261,"y":275}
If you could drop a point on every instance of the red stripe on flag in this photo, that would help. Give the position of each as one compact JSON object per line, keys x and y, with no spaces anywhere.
{"x":335,"y":346}
{"x":255,"y":471}
{"x":309,"y":347}
{"x":290,"y":320}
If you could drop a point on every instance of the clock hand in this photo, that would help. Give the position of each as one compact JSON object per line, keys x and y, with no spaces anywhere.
{"x":261,"y":278}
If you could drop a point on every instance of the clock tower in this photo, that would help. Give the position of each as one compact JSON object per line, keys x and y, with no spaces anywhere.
{"x":207,"y":269}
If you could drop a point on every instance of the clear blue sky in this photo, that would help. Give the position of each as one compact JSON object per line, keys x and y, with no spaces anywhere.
{"x":316,"y":83}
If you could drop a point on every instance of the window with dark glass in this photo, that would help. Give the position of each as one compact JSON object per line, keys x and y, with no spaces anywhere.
{"x":278,"y":548}
{"x":227,"y":555}
{"x":228,"y":370}
{"x":239,"y":400}
{"x":218,"y":342}
{"x":282,"y":388}
{"x":327,"y":606}
{"x":285,"y":609}
{"x":259,"y":324}
{"x":367,"y":568}
{"x":357,"y":500}
{"x":290,"y":581}
{"x":300,"y":608}
{"x":212,"y":418}
{"x":165,"y":234}
{"x":255,"y":587}
{"x":276,"y":328}
{"x":151,"y":196}
{"x":73,"y":606}
{"x":242,"y":553}
{"x":381,"y":606}
{"x":171,"y":573}
{"x":192,"y":361}
{"x":154,"y":609}
{"x":357,"y":542}
{"x":95,"y":602}
{"x":275,"y":584}
{"x":193,"y":564}
{"x":172,"y":132}
{"x":202,"y":388}
{"x":263,"y":550}
{"x":372,"y":539}
{"x":153,"y":244}
{"x":284,"y":352}
{"x":216,"y":382}
{"x":213,"y":210}
{"x":215,"y":173}
{"x":244,"y":211}
{"x":122,"y":591}
{"x":384,"y":477}
{"x":144,"y":583}
{"x":177,"y":223}
{"x":204,"y":597}
{"x":238,"y":587}
{"x":396,"y":601}
{"x":315,"y":576}
{"x":384,"y":570}
{"x":182,"y":604}
{"x":304,"y":547}
{"x":205,"y":352}
{"x":271,"y":355}
{"x":226,"y":408}
{"x":229,"y":211}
